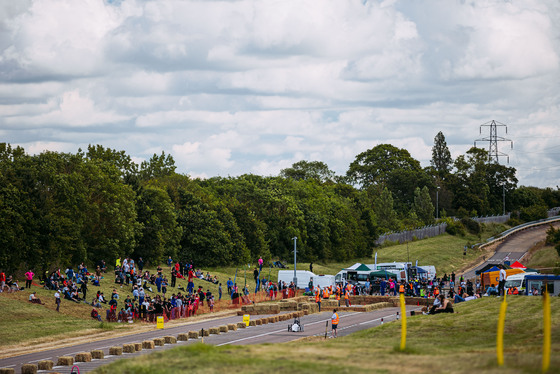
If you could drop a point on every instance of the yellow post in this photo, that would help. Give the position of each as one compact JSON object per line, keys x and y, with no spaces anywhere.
{"x":160,"y":322}
{"x":500,"y":335}
{"x":546,"y":332}
{"x":246,"y":319}
{"x":403,"y":323}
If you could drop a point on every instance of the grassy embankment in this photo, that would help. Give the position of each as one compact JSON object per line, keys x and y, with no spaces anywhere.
{"x":463,"y":342}
{"x":19,"y":320}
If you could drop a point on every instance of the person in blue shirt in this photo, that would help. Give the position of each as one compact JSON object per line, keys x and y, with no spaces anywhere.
{"x":159,"y":280}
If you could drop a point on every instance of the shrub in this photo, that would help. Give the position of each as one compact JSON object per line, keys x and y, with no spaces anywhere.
{"x":533,"y":213}
{"x":471,"y":225}
{"x":455,"y":228}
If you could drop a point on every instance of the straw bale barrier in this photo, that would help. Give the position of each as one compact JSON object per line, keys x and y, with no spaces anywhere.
{"x":45,"y":365}
{"x":170,"y":340}
{"x":128,"y":348}
{"x":258,"y":322}
{"x":83,"y":357}
{"x":65,"y":361}
{"x":252,"y":323}
{"x":232,"y":327}
{"x":204,"y":332}
{"x":115,"y":351}
{"x":193,"y":334}
{"x":214,"y":331}
{"x":241,"y":325}
{"x":183,"y":337}
{"x":7,"y":371}
{"x":148,"y":344}
{"x":223,"y":328}
{"x":264,"y":321}
{"x":137,"y":347}
{"x":159,"y":342}
{"x":28,"y":369}
{"x":97,"y":354}
{"x":289,"y":305}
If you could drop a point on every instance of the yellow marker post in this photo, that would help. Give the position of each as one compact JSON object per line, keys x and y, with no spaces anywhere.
{"x":546,"y":332}
{"x":160,"y":322}
{"x":500,"y":335}
{"x":246,"y":319}
{"x":403,"y":323}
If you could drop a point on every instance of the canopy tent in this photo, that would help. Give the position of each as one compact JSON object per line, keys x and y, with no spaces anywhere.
{"x":493,"y":268}
{"x":419,"y":270}
{"x":483,"y":269}
{"x":518,"y":265}
{"x":362,"y":267}
{"x":382,"y":274}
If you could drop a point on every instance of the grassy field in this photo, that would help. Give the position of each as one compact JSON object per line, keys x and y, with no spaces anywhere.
{"x":463,"y":342}
{"x":444,"y":251}
{"x":545,"y":257}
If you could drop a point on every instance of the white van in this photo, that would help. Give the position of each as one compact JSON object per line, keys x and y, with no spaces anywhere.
{"x":323,"y":281}
{"x":517,"y":280}
{"x":303,"y":277}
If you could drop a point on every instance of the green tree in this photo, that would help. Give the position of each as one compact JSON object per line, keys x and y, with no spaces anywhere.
{"x":423,"y":206}
{"x":441,"y":157}
{"x":160,"y":233}
{"x":374,"y":166}
{"x":303,"y":170}
{"x":386,"y":215}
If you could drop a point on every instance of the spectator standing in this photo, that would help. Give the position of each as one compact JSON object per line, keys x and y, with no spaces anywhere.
{"x":28,"y":278}
{"x":503,"y":276}
{"x":57,"y":300}
{"x":2,"y":281}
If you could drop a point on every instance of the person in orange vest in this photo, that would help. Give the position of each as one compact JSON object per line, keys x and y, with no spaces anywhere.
{"x":401,"y":288}
{"x":338,"y":298}
{"x":334,"y":323}
{"x":347,"y":298}
{"x":318,"y":297}
{"x":325,"y":293}
{"x":515,"y":291}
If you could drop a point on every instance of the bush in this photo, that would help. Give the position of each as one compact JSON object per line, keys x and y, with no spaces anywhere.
{"x":533,"y":213}
{"x":455,"y":228}
{"x":471,"y":225}
{"x":514,"y":222}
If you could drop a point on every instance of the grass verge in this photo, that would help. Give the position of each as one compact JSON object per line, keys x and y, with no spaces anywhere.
{"x":463,"y":342}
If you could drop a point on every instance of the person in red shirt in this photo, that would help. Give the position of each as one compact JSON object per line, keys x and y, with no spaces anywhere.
{"x":2,"y":281}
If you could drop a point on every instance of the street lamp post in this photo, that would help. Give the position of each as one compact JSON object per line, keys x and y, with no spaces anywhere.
{"x":437,"y":203}
{"x":295,"y":260}
{"x":504,"y":198}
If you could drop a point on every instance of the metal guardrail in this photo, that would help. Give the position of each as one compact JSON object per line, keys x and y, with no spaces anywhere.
{"x":521,"y":227}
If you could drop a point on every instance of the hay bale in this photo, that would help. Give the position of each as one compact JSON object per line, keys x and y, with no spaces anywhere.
{"x":97,"y":354}
{"x":159,"y":342}
{"x":137,"y":347}
{"x":28,"y":369}
{"x":264,"y":321}
{"x":7,"y":371}
{"x":128,"y":348}
{"x":65,"y":361}
{"x":232,"y":327}
{"x":214,"y":330}
{"x":305,"y":312}
{"x":115,"y":351}
{"x":44,"y":365}
{"x":252,"y":323}
{"x":193,"y":334}
{"x":241,"y":325}
{"x":270,"y":319}
{"x":170,"y":340}
{"x":148,"y":344}
{"x":223,"y":328}
{"x":83,"y":357}
{"x":204,"y":332}
{"x":183,"y":337}
{"x":258,"y":322}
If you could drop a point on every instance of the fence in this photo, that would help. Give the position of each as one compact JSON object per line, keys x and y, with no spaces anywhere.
{"x":434,"y":230}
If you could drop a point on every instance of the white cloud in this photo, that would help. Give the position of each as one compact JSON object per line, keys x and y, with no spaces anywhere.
{"x":231,"y":87}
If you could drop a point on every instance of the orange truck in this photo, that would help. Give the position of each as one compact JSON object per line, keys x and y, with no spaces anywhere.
{"x":493,"y":277}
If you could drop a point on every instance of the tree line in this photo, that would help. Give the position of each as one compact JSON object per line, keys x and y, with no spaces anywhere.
{"x":58,"y":209}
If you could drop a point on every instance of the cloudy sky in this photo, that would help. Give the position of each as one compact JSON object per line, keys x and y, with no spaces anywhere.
{"x":252,"y":86}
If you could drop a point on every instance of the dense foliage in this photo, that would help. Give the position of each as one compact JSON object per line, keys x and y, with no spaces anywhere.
{"x":58,"y":209}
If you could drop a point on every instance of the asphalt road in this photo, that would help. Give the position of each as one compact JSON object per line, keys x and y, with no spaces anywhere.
{"x":313,"y":324}
{"x":514,"y":247}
